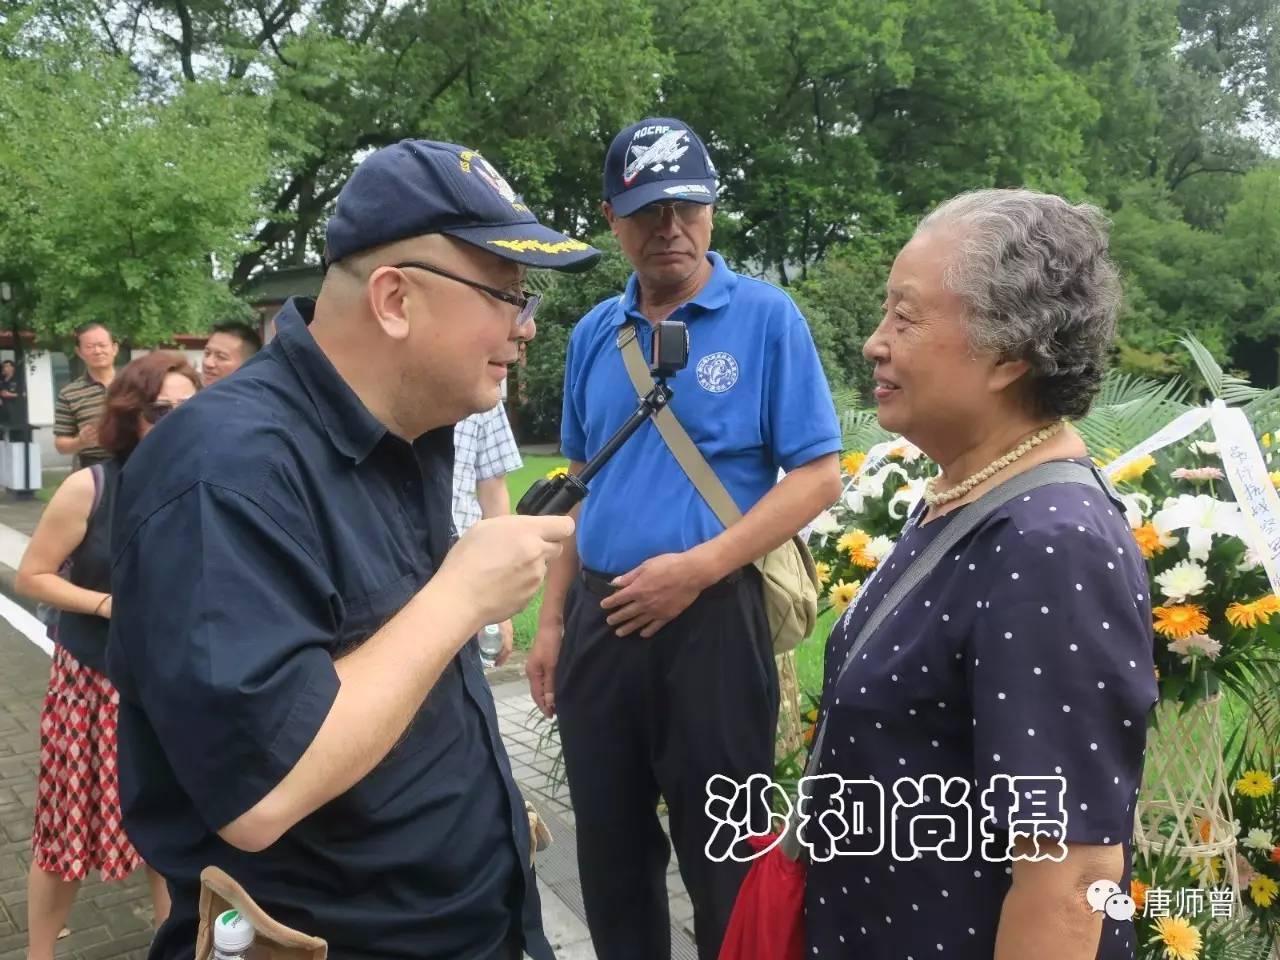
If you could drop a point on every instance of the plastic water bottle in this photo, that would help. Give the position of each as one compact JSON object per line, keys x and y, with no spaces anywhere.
{"x":232,"y":936}
{"x":490,"y":645}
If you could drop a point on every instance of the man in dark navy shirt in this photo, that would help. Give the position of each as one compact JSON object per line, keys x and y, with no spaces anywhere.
{"x":301,"y":702}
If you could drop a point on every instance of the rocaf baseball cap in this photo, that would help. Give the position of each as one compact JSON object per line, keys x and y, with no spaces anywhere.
{"x":416,"y":187}
{"x":657,"y":159}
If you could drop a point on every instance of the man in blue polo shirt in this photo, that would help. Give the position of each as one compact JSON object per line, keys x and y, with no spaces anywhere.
{"x":653,"y":645}
{"x":301,"y":702}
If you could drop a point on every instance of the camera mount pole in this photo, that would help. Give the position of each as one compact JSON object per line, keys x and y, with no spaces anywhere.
{"x":562,"y":494}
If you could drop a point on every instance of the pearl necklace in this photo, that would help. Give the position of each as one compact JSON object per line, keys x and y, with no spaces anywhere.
{"x":938,"y":498}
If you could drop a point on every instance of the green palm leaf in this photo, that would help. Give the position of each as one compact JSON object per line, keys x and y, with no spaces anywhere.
{"x":858,"y":425}
{"x":1128,"y":410}
{"x":1234,"y":390}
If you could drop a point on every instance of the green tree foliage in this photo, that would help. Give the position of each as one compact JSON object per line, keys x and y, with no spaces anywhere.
{"x":119,"y":207}
{"x":1178,"y":277}
{"x":779,"y":92}
{"x":841,"y":298}
{"x":987,"y":101}
{"x":534,"y":86}
{"x":1113,"y":47}
{"x":1251,"y":232}
{"x":566,"y":299}
{"x":835,"y":124}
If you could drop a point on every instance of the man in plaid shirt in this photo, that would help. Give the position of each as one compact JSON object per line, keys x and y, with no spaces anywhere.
{"x":484,"y":452}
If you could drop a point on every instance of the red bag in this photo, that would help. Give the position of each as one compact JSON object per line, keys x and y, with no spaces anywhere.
{"x":767,"y":922}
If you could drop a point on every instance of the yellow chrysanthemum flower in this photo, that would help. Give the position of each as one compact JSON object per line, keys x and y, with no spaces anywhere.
{"x":1133,"y":471}
{"x":558,"y":471}
{"x":1263,"y":890}
{"x":1207,"y":869}
{"x":1244,"y":615}
{"x":1138,"y":891}
{"x":1266,"y":439}
{"x":1181,"y":620}
{"x":1149,"y":541}
{"x":1275,"y":478}
{"x":1181,"y":941}
{"x":824,"y":571}
{"x":852,"y":460}
{"x":1249,"y":615}
{"x":1255,"y":783}
{"x":853,"y":541}
{"x":864,"y":559}
{"x":841,"y":594}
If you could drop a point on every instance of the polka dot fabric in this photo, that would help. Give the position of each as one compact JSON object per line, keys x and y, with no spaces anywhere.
{"x":1027,"y":651}
{"x":78,"y":826}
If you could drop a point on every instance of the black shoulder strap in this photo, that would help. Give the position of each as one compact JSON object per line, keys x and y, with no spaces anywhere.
{"x":99,"y":479}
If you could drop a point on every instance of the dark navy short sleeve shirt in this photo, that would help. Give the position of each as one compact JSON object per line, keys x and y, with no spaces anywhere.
{"x":268,"y":526}
{"x":1027,"y":652}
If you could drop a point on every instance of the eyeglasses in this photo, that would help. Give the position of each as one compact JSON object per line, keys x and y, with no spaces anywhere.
{"x":153,"y":413}
{"x":527,"y":304}
{"x":652,"y":214}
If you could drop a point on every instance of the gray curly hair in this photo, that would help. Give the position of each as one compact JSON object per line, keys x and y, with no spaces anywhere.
{"x":1039,"y":285}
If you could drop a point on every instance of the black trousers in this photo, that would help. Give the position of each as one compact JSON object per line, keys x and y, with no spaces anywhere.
{"x":641,"y":719}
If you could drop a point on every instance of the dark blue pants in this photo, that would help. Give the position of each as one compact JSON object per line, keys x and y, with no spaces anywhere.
{"x":640,"y":719}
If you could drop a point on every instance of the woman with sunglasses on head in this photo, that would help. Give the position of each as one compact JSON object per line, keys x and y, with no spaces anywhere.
{"x":67,"y":565}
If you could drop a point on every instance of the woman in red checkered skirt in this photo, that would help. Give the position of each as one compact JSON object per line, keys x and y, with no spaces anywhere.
{"x":67,"y":566}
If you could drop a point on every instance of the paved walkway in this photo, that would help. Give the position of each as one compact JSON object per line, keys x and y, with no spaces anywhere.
{"x":108,"y":921}
{"x":113,"y":921}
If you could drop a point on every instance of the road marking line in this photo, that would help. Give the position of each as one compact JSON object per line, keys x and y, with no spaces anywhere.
{"x":26,"y":624}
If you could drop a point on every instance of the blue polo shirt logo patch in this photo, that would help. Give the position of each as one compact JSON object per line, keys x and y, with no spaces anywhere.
{"x":717,"y":372}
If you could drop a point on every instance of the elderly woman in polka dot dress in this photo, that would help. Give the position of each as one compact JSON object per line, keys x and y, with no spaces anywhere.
{"x":1027,"y":652}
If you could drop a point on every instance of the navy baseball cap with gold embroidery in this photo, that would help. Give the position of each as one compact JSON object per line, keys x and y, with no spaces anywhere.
{"x":416,"y":187}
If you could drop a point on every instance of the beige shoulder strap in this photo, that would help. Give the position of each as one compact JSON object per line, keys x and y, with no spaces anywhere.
{"x":681,"y":445}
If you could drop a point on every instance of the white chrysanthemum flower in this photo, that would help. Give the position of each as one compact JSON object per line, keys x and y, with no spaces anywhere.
{"x":1183,"y":580}
{"x":1201,"y":643}
{"x":824,"y":524}
{"x":878,"y":548}
{"x":1259,"y":839}
{"x":1206,"y":447}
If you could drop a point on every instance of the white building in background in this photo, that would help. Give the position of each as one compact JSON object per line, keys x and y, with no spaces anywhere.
{"x":42,"y":384}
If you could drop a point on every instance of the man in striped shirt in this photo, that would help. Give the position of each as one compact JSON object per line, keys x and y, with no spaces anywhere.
{"x":80,"y":402}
